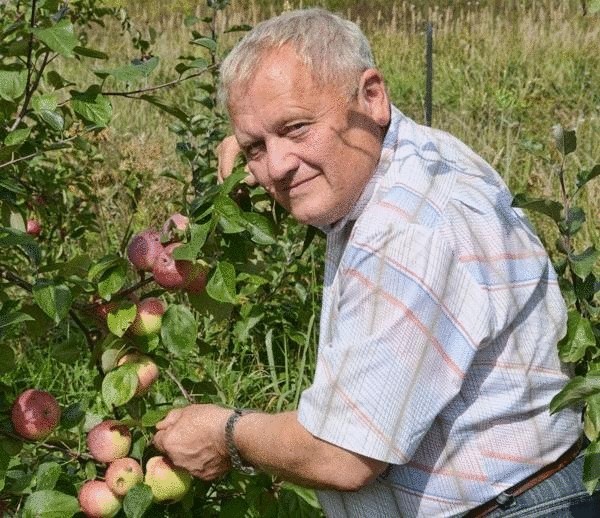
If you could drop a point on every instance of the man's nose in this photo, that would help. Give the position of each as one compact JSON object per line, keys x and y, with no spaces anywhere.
{"x":281,"y":160}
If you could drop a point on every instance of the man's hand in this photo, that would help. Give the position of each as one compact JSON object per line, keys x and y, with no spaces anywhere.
{"x":194,"y":439}
{"x":227,"y":152}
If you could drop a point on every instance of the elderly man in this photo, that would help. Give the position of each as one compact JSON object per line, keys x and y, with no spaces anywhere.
{"x":441,"y":312}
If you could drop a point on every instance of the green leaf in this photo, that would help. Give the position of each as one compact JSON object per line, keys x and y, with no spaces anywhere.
{"x":44,"y":102}
{"x":207,"y":43}
{"x":92,"y":106}
{"x":47,"y":476}
{"x":137,"y":501}
{"x":591,"y":465}
{"x":11,"y":237}
{"x":308,"y":495}
{"x":49,"y":503}
{"x":574,"y":221}
{"x":7,"y":358}
{"x":102,"y":265}
{"x":189,"y":251}
{"x":60,"y":38}
{"x":90,"y":53}
{"x":565,"y":140}
{"x":239,"y":28}
{"x":54,"y":299}
{"x":179,"y":330}
{"x":119,"y":385}
{"x":112,"y":281}
{"x":221,"y":285}
{"x":548,"y":207}
{"x":17,"y":137}
{"x":591,"y":422}
{"x":583,"y":264}
{"x":4,"y":462}
{"x":72,"y":416}
{"x":594,"y":7}
{"x":54,"y":119}
{"x":575,"y":391}
{"x":133,"y":71}
{"x":11,"y":318}
{"x":230,"y":220}
{"x":579,"y":337}
{"x":171,"y":110}
{"x":585,"y":176}
{"x":120,"y":319}
{"x":12,"y":84}
{"x":233,"y":180}
{"x":261,"y":228}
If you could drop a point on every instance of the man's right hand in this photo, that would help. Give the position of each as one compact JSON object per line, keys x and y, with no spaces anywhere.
{"x":227,"y":152}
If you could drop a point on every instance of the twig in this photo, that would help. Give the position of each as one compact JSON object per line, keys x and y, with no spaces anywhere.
{"x":65,"y":449}
{"x":181,"y":388}
{"x":15,"y":279}
{"x":41,"y":151}
{"x":132,"y":93}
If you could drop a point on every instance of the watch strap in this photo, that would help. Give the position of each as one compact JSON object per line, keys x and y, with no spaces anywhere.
{"x":234,"y":454}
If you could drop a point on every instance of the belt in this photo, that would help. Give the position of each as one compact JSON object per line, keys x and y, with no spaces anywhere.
{"x":503,"y":500}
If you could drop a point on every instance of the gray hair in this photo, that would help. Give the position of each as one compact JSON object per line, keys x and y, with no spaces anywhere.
{"x":334,"y":50}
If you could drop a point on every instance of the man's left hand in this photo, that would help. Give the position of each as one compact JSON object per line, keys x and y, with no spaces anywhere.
{"x":194,"y":439}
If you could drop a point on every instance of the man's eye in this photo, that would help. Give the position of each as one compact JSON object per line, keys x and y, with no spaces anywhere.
{"x":253,"y":152}
{"x":295,"y":129}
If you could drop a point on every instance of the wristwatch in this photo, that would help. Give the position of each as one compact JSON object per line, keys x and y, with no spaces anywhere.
{"x":234,"y":454}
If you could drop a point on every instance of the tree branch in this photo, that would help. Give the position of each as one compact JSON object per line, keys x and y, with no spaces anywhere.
{"x":181,"y":388}
{"x":131,"y":94}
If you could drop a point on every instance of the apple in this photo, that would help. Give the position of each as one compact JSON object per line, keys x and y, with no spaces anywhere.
{"x":146,"y":370}
{"x":177,"y":222}
{"x":97,"y":500}
{"x":172,"y":274}
{"x":123,"y":474}
{"x":148,"y":317}
{"x":33,"y":227}
{"x":108,"y":441}
{"x":35,"y":413}
{"x":144,"y":249}
{"x":167,"y":481}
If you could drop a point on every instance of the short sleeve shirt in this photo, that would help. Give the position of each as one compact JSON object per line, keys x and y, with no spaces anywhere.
{"x":440,"y":318}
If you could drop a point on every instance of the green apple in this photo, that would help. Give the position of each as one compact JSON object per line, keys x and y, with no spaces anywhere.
{"x":109,"y":440}
{"x":167,"y":481}
{"x":97,"y":500}
{"x":123,"y":474}
{"x":148,"y":318}
{"x":146,"y":370}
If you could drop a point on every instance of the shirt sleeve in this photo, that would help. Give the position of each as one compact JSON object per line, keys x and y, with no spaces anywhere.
{"x":400,"y":333}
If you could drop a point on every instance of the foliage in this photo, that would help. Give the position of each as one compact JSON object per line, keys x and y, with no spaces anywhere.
{"x":580,"y":285}
{"x":55,"y":285}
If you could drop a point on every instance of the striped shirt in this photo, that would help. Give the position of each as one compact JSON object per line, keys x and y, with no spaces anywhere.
{"x":440,"y":318}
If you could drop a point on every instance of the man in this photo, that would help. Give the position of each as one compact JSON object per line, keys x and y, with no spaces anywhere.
{"x":441,"y":311}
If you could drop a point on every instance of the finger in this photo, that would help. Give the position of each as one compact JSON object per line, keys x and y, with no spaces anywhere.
{"x":171,"y":418}
{"x":157,"y":440}
{"x":227,"y":152}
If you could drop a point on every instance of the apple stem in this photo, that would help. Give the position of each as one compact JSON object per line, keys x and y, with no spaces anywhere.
{"x":181,"y":388}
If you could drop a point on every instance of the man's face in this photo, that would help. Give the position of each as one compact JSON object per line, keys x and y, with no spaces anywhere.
{"x":309,"y":146}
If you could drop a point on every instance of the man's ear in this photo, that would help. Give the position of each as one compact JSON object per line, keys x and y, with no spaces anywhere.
{"x":373,"y":97}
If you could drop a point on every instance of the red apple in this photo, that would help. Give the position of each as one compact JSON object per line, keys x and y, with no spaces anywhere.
{"x":148,"y":317}
{"x":172,"y":274}
{"x":97,"y":500}
{"x":144,"y":249}
{"x":35,"y":413}
{"x":123,"y":474}
{"x":108,"y":441}
{"x":146,"y":370}
{"x":167,"y":481}
{"x":33,"y":227}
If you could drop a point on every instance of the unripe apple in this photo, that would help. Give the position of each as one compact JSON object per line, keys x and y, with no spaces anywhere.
{"x":97,"y":500}
{"x":33,"y":227}
{"x":108,"y":441}
{"x":101,"y":311}
{"x":35,"y":413}
{"x":167,"y":481}
{"x":148,"y":317}
{"x":123,"y":474}
{"x":146,"y":370}
{"x":172,"y":274}
{"x":144,"y":249}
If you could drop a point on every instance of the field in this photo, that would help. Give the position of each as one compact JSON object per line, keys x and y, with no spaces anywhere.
{"x":505,"y":73}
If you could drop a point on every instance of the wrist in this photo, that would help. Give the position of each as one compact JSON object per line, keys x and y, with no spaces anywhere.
{"x":236,"y":459}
